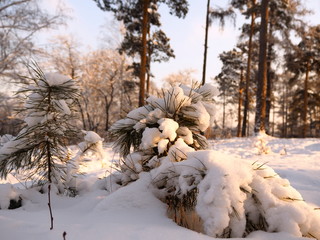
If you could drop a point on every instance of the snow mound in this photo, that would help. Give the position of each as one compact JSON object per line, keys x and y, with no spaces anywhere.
{"x":7,"y":194}
{"x":234,"y":201}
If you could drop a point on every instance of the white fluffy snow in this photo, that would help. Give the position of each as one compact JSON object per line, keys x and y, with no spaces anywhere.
{"x":168,"y":128}
{"x":54,"y":79}
{"x":150,"y":137}
{"x":133,"y":212}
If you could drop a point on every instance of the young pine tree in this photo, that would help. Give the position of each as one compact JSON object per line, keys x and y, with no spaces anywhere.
{"x":39,"y":151}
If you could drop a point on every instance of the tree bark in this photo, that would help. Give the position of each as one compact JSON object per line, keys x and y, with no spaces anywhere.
{"x":305,"y":100}
{"x":262,"y":72}
{"x":82,"y":114}
{"x":269,"y":77}
{"x":108,"y":106}
{"x":142,"y":84}
{"x":224,"y":111}
{"x":205,"y":45}
{"x":246,"y":103}
{"x":240,"y":104}
{"x":148,"y":63}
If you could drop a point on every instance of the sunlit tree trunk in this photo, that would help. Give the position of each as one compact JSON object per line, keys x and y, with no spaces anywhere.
{"x":148,"y":62}
{"x":143,"y":53}
{"x":205,"y":45}
{"x":246,"y":103}
{"x":224,"y":111}
{"x":262,"y":72}
{"x":269,"y":77}
{"x":240,"y":103}
{"x":305,"y":100}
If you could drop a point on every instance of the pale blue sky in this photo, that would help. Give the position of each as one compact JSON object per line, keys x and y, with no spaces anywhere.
{"x":187,"y":35}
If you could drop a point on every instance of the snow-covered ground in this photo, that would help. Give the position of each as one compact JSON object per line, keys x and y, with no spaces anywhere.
{"x":133,"y":212}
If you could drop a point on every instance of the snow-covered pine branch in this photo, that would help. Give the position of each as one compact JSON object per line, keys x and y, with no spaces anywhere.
{"x":48,"y":108}
{"x":171,"y":125}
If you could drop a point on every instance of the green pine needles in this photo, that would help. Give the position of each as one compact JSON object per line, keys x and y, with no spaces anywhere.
{"x":39,"y":150}
{"x":169,"y":125}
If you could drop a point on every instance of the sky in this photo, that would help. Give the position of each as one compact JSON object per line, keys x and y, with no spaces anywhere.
{"x":88,"y":24}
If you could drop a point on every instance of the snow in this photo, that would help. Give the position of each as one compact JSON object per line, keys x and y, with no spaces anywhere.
{"x":168,"y":128}
{"x":150,"y":137}
{"x":179,"y":150}
{"x":92,"y":137}
{"x":134,"y":211}
{"x":62,"y":106}
{"x":201,"y":115}
{"x":55,"y":79}
{"x":11,"y":146}
{"x":7,"y":192}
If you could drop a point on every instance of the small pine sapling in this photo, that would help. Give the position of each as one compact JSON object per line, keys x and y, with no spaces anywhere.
{"x":39,"y":150}
{"x":171,"y":125}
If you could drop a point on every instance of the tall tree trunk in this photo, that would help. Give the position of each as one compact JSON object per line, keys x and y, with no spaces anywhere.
{"x":108,"y":106}
{"x":283,"y":109}
{"x":305,"y":100}
{"x":262,"y":72}
{"x":82,"y":114}
{"x":224,"y":111}
{"x":240,"y":103}
{"x":149,"y":63}
{"x":246,"y":101}
{"x":273,"y":119}
{"x":269,"y":75}
{"x":143,"y":53}
{"x":205,"y":45}
{"x":286,"y":112}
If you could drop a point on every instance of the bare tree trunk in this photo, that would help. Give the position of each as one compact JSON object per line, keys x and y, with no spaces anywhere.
{"x":273,"y":119}
{"x":286,"y":112}
{"x":283,"y":109}
{"x":240,"y":103}
{"x":305,"y":100}
{"x":82,"y":114}
{"x":107,"y":106}
{"x":143,"y":53}
{"x":224,"y":111}
{"x":149,"y":64}
{"x":262,"y":72}
{"x":269,"y":77}
{"x":205,"y":45}
{"x":246,"y":103}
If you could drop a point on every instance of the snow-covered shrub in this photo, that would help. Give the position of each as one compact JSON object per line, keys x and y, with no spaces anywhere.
{"x":93,"y":144}
{"x":221,"y":195}
{"x":233,"y":197}
{"x":261,"y":144}
{"x":90,"y":148}
{"x":9,"y":198}
{"x":165,"y":129}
